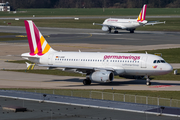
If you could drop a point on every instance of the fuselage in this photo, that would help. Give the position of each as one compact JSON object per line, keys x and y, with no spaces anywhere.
{"x":120,"y":63}
{"x":124,"y":23}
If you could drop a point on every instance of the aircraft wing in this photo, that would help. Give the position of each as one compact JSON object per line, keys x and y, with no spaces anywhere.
{"x":154,"y":22}
{"x":77,"y":67}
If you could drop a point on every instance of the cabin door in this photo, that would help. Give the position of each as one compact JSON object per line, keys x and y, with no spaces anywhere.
{"x":143,"y":62}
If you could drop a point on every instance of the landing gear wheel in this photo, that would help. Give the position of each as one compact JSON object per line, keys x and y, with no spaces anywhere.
{"x":89,"y":82}
{"x":109,"y":30}
{"x":86,"y":82}
{"x":131,"y":31}
{"x":115,"y":31}
{"x":148,"y":83}
{"x":147,"y":80}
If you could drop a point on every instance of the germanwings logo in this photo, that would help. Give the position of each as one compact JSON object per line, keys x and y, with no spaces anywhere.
{"x":121,"y":57}
{"x":142,"y":15}
{"x":37,"y":43}
{"x":154,"y":66}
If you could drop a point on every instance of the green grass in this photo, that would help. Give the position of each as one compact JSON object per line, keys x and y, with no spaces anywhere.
{"x":20,"y":61}
{"x":10,"y":37}
{"x":89,"y":12}
{"x":50,"y":72}
{"x":169,"y":76}
{"x":172,"y":24}
{"x":3,"y":34}
{"x":170,"y":55}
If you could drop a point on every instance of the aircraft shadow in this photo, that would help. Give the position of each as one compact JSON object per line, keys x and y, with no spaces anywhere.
{"x":120,"y":82}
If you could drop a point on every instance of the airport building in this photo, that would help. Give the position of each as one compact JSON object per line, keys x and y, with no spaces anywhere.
{"x":4,"y":6}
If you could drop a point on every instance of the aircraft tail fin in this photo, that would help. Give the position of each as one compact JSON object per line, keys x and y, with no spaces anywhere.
{"x":37,"y":43}
{"x":142,"y":15}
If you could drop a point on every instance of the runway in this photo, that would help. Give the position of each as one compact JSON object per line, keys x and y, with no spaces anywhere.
{"x":96,"y":36}
{"x":95,"y":40}
{"x":28,"y":80}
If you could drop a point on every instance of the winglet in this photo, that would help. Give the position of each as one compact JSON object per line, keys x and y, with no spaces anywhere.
{"x":142,"y":15}
{"x":37,"y":43}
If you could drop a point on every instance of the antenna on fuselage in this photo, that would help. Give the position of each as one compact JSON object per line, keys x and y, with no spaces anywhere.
{"x":79,"y":50}
{"x":146,"y":52}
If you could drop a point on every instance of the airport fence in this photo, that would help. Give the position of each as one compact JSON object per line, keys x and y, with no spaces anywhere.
{"x":113,"y":97}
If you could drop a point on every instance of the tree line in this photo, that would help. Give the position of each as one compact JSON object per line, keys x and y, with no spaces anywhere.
{"x":15,"y":4}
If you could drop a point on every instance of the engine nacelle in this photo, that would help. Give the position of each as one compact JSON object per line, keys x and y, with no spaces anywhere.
{"x":105,"y":28}
{"x":102,"y":76}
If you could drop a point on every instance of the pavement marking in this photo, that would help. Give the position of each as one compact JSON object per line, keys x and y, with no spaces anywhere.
{"x":161,"y":86}
{"x":104,"y":34}
{"x":128,"y":38}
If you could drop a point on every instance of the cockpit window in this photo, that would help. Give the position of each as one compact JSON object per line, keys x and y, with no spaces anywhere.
{"x":159,"y":61}
{"x":162,"y":61}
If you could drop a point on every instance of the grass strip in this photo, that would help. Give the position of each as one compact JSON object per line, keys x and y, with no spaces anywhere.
{"x":169,"y":76}
{"x":44,"y":12}
{"x":171,"y":24}
{"x":3,"y":34}
{"x":170,"y":55}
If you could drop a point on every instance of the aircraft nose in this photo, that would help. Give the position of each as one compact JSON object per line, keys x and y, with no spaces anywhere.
{"x":169,"y":68}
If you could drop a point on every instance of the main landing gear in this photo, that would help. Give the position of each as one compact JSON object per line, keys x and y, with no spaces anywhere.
{"x":147,"y":81}
{"x":109,"y":30}
{"x":132,"y":31}
{"x":87,"y":82}
{"x":115,"y":31}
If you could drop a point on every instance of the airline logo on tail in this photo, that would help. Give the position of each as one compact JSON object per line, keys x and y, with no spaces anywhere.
{"x":37,"y":43}
{"x":142,"y":15}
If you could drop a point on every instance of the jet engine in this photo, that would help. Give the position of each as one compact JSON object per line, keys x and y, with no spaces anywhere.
{"x":105,"y":28}
{"x":102,"y":76}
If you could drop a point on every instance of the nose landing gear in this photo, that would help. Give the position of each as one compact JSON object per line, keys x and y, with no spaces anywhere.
{"x":148,"y":83}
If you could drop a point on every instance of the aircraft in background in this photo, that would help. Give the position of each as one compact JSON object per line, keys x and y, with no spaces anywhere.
{"x":127,"y":24}
{"x":99,"y":67}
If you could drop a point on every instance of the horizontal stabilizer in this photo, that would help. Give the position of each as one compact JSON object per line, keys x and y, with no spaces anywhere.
{"x":154,"y":22}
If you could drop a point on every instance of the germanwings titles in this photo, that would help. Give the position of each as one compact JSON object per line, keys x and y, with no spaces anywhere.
{"x":99,"y":67}
{"x":127,"y":24}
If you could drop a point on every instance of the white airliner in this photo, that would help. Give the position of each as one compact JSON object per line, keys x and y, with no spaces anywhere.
{"x":99,"y":67}
{"x":127,"y":24}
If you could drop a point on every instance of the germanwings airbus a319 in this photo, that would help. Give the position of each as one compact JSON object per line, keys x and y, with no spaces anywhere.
{"x":127,"y":24}
{"x":99,"y":67}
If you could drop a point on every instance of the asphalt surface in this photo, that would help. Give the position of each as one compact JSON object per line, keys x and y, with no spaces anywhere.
{"x":96,"y":36}
{"x":81,"y":37}
{"x":10,"y":79}
{"x":59,"y":107}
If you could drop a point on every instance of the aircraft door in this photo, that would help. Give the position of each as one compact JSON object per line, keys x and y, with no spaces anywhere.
{"x":143,"y":62}
{"x":50,"y":59}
